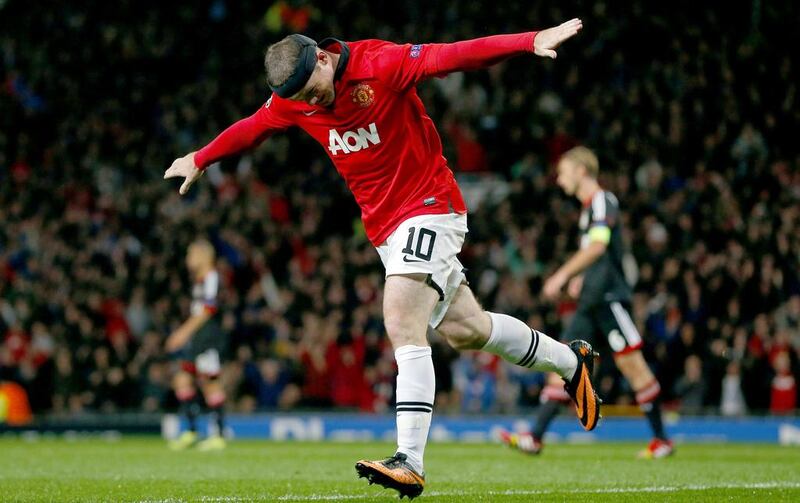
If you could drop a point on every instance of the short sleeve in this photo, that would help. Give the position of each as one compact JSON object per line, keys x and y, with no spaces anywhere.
{"x":210,"y":291}
{"x":605,"y":209}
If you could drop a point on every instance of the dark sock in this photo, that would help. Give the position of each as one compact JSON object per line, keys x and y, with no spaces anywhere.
{"x":547,"y":412}
{"x":191,"y":409}
{"x":652,"y":411}
{"x":219,"y":417}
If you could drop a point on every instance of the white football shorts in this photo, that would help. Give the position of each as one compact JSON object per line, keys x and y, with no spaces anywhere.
{"x":208,"y":363}
{"x":429,"y":244}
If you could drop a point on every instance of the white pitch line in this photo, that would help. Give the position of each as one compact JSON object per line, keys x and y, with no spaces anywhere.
{"x":540,"y":492}
{"x":324,"y":497}
{"x":653,"y":489}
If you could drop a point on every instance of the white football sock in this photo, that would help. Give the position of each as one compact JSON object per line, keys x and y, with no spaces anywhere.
{"x":517,"y":343}
{"x":416,"y":386}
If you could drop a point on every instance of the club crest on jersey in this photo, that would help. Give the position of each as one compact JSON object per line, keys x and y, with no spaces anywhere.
{"x":353,"y":141}
{"x":363,"y":95}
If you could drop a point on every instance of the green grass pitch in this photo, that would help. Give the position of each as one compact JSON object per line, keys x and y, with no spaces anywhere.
{"x":143,"y":470}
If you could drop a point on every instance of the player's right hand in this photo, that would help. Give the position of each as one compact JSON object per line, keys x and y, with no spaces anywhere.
{"x":186,"y":168}
{"x":575,"y":286}
{"x":553,"y":285}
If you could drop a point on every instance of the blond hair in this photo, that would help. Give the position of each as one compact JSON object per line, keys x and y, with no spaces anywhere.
{"x":204,"y":247}
{"x":584,"y":157}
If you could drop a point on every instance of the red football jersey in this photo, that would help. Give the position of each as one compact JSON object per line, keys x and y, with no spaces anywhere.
{"x":377,"y":132}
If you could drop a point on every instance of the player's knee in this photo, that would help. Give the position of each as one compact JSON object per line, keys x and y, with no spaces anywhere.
{"x":210,"y":383}
{"x":403,"y":334}
{"x":462,"y":334}
{"x":461,"y":340}
{"x":214,"y":394}
{"x":182,"y":381}
{"x":634,"y":367}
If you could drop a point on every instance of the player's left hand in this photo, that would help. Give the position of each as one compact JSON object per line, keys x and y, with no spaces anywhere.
{"x":553,"y":285}
{"x":546,"y":41}
{"x":186,"y":168}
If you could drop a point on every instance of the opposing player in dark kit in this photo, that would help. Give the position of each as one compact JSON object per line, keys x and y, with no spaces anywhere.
{"x":203,"y":344}
{"x":359,"y":101}
{"x":595,"y":277}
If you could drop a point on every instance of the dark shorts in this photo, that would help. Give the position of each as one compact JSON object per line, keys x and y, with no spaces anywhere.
{"x":607,"y":324}
{"x":206,"y":350}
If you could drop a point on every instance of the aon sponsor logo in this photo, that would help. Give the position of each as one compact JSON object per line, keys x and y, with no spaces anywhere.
{"x":353,"y":141}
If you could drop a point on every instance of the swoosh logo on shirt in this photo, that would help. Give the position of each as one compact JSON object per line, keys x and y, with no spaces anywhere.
{"x":309,"y":114}
{"x":405,"y":259}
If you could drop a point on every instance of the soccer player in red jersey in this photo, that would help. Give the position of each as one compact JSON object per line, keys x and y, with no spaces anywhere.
{"x":359,"y":101}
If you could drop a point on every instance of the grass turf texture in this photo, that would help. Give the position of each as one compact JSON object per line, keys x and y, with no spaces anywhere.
{"x":142,"y":469}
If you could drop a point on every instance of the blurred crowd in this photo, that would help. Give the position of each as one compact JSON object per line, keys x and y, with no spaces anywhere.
{"x":693,"y":113}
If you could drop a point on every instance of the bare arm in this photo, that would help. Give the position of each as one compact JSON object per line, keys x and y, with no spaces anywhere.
{"x":184,"y":333}
{"x":581,"y":260}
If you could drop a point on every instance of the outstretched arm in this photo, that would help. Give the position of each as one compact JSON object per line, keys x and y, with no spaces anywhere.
{"x":482,"y":52}
{"x":240,"y":136}
{"x":405,"y":65}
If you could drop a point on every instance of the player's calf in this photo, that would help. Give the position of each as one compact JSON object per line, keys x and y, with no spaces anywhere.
{"x":467,"y":326}
{"x":190,"y":407}
{"x":648,"y":391}
{"x":215,"y":398}
{"x":517,"y":343}
{"x":466,"y":333}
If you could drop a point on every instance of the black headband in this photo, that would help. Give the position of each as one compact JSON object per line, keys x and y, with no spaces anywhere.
{"x":306,"y":62}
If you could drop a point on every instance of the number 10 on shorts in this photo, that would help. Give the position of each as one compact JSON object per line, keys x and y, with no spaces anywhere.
{"x":425,"y":239}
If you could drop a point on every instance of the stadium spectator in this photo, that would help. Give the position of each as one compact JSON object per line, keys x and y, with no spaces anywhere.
{"x":732,"y":399}
{"x":784,"y":386}
{"x":691,"y":387}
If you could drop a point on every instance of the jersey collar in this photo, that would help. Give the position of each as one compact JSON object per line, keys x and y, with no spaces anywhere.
{"x":344,"y":54}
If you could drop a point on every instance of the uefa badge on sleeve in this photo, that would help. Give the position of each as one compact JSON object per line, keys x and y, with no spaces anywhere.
{"x":416,"y":50}
{"x":363,"y":95}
